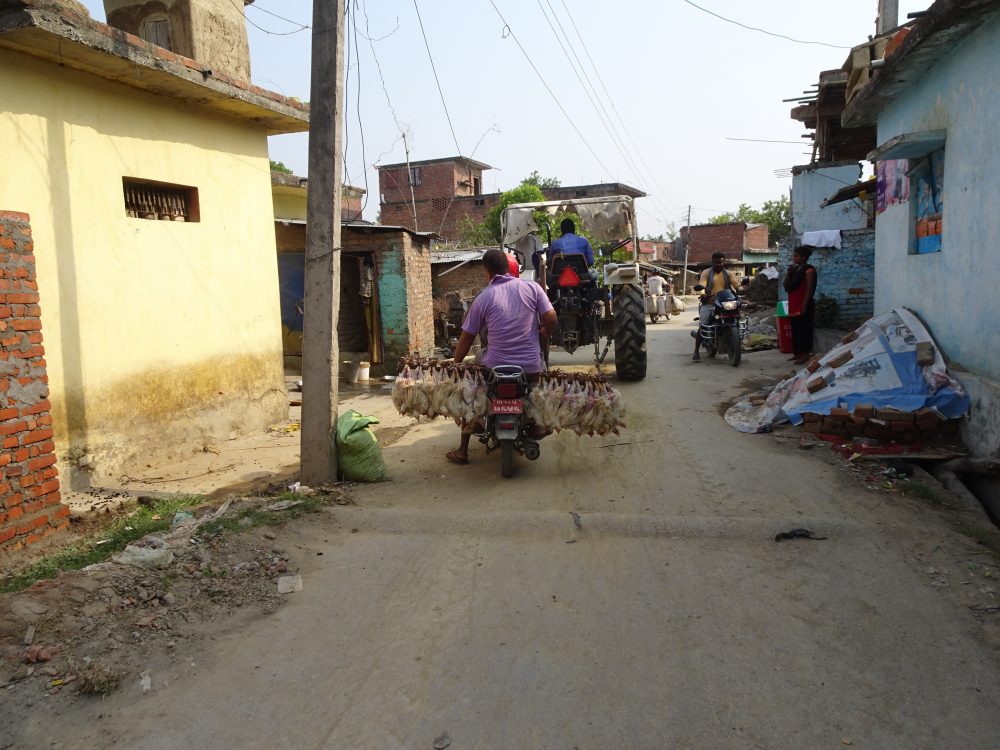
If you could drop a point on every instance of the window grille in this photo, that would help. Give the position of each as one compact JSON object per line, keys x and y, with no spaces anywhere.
{"x":415,"y":176}
{"x":161,"y":201}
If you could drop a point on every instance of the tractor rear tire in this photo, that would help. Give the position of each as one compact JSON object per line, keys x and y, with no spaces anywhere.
{"x":629,"y":326}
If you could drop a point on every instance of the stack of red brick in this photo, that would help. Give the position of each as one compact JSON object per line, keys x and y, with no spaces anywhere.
{"x":30,"y":507}
{"x":886,"y":423}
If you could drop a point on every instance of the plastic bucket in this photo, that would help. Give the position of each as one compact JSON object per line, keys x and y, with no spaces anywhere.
{"x":784,"y":326}
{"x":351,"y":370}
{"x":363,"y":369}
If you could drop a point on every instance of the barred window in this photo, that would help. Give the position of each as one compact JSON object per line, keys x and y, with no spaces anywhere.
{"x":148,"y":199}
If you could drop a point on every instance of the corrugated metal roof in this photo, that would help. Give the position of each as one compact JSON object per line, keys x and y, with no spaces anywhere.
{"x":457,"y":256}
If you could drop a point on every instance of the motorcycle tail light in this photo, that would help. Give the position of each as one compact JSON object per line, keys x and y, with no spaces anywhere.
{"x":729,"y":305}
{"x":507,"y":390}
{"x":569,"y":277}
{"x":507,"y":423}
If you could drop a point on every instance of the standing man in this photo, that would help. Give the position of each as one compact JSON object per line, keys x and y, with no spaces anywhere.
{"x":518,"y":315}
{"x":712,"y":280}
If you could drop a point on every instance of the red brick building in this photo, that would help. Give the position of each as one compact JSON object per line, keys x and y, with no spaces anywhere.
{"x":732,"y":239}
{"x":442,"y":195}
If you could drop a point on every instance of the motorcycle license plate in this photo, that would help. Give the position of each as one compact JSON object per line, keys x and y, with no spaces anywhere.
{"x":507,"y":406}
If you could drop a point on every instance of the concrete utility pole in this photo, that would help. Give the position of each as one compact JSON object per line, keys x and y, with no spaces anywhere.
{"x":320,"y":354}
{"x":687,"y":247}
{"x":888,"y":16}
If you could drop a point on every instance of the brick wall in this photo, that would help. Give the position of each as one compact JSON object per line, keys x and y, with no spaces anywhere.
{"x":466,"y":281}
{"x":756,"y":238}
{"x":419,"y":300}
{"x":404,"y":284}
{"x":713,"y":238}
{"x":30,"y":507}
{"x":847,"y":275}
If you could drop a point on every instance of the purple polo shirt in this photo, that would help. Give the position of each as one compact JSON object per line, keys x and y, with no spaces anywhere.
{"x":509,"y":309}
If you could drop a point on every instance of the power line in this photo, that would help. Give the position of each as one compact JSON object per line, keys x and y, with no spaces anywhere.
{"x":605,"y":118}
{"x":436,"y":79}
{"x":301,"y":26}
{"x":261,"y":28}
{"x":548,"y":88}
{"x":762,"y":31}
{"x":361,"y":127}
{"x":614,"y":108}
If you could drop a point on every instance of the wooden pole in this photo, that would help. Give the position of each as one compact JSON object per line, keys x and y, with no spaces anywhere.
{"x":320,"y":354}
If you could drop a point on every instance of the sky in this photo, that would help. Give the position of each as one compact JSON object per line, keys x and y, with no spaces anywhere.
{"x":673,"y":84}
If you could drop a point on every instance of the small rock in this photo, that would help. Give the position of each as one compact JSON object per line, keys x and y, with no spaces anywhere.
{"x":289,"y":584}
{"x":146,"y":621}
{"x":440,"y":743}
{"x":48,"y":671}
{"x":94,"y":610}
{"x":28,"y":609}
{"x":145,"y":682}
{"x":169,"y":599}
{"x":269,"y":535}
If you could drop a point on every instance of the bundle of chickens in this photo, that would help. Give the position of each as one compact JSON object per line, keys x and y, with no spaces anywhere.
{"x":585,"y":404}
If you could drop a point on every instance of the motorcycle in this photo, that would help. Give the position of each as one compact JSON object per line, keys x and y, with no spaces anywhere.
{"x":728,"y":327}
{"x":656,"y":307}
{"x":507,"y":427}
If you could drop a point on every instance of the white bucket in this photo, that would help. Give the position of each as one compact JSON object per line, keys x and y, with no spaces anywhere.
{"x":363,"y":368}
{"x":351,"y":370}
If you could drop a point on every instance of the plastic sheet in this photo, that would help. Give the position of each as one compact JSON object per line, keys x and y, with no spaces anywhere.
{"x":878,"y":366}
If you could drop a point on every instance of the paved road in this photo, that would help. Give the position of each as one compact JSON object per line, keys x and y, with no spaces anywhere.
{"x":472,"y":605}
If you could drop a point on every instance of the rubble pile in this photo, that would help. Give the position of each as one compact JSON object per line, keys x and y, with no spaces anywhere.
{"x":582,"y":403}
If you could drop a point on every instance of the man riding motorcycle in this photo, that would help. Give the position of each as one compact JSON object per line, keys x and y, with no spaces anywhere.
{"x":713,"y":280}
{"x":518,"y":316}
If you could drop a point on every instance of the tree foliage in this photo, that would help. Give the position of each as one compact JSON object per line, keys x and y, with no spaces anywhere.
{"x":523,"y":193}
{"x":277,"y":166}
{"x":541,"y":182}
{"x":777,"y":214}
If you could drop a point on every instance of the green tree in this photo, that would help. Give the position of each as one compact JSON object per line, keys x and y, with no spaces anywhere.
{"x":523,"y":193}
{"x":277,"y":166}
{"x":472,"y":234}
{"x":541,"y":182}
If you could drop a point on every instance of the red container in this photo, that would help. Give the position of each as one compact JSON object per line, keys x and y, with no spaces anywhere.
{"x":784,"y":326}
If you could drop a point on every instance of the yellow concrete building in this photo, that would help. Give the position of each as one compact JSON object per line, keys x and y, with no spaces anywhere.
{"x":146,"y":177}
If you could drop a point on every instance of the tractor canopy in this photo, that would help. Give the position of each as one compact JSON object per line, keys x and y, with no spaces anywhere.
{"x":608,"y":219}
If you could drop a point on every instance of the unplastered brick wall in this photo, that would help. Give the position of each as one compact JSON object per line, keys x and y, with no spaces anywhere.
{"x":30,"y":507}
{"x":420,"y":304}
{"x":466,"y":280}
{"x":846,"y":274}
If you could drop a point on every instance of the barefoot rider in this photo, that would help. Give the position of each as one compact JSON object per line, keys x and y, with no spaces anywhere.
{"x":516,"y":313}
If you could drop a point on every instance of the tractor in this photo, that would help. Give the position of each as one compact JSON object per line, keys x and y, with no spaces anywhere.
{"x":596,"y":307}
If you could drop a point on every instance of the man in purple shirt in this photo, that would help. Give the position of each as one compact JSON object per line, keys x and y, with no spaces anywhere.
{"x":516,"y":313}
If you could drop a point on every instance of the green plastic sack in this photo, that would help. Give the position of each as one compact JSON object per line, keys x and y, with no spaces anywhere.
{"x":359,"y":458}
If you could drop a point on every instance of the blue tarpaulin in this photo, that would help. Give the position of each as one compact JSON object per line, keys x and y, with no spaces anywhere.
{"x":877,"y":367}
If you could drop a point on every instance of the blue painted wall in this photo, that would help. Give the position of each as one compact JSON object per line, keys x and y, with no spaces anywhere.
{"x":846,"y":274}
{"x":956,"y":291}
{"x":393,"y":303}
{"x":813,"y":186}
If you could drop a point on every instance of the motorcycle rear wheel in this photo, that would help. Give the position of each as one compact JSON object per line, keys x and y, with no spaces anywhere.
{"x":506,"y":458}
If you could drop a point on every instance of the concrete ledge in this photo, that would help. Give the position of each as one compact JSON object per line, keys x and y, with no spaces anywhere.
{"x":981,"y":431}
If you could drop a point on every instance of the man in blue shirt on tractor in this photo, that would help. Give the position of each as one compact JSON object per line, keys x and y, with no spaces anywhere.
{"x":571,"y":244}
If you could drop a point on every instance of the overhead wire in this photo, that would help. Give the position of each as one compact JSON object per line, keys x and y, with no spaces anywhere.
{"x":595,"y":100}
{"x":762,"y":31}
{"x":302,"y":26}
{"x":361,"y":127}
{"x":261,"y":28}
{"x":509,"y":31}
{"x":614,"y":108}
{"x":395,"y":117}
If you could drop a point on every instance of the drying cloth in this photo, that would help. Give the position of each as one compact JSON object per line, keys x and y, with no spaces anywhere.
{"x":822,"y":238}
